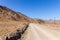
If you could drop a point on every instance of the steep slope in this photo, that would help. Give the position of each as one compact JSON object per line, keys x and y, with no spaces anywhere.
{"x":8,"y":14}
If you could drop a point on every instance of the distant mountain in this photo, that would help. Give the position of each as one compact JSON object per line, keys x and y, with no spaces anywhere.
{"x":8,"y":14}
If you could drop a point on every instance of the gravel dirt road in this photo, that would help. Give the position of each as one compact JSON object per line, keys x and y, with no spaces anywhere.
{"x":39,"y":32}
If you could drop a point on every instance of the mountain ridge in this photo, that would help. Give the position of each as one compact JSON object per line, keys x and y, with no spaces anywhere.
{"x":6,"y":13}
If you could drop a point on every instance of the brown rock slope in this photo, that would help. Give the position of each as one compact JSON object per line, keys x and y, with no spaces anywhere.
{"x":8,"y":14}
{"x":10,"y":21}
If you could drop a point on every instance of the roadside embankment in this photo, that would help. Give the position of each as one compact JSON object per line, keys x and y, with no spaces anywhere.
{"x":17,"y":34}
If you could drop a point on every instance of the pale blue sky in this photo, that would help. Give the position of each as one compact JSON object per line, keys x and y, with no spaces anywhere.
{"x":44,"y":9}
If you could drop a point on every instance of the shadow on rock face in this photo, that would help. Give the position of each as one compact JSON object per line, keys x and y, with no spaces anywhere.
{"x":14,"y":36}
{"x":17,"y":34}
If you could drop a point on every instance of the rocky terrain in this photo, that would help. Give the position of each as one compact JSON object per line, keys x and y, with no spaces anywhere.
{"x":13,"y":24}
{"x":8,"y":14}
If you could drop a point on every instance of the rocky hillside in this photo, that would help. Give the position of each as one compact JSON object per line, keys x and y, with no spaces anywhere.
{"x":8,"y":14}
{"x":16,"y":21}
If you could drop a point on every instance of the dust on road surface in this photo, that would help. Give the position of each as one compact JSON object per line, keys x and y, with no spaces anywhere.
{"x":38,"y":32}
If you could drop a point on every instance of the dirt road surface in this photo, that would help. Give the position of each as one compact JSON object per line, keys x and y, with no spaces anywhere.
{"x":39,"y":32}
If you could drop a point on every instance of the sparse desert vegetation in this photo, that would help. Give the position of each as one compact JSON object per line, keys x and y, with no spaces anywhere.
{"x":11,"y":21}
{"x":8,"y":28}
